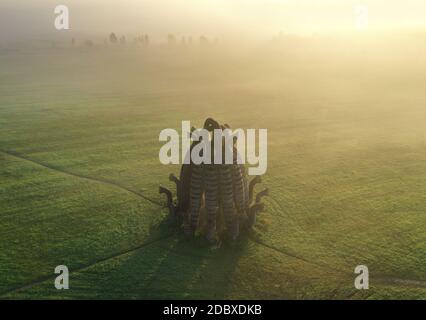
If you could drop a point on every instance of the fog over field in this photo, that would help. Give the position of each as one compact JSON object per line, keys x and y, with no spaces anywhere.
{"x":217,"y":18}
{"x":80,"y":122}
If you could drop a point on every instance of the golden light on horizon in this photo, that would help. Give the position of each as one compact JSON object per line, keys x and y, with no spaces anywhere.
{"x":219,"y":17}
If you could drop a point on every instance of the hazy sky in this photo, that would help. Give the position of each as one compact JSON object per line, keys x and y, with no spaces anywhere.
{"x":34,"y":18}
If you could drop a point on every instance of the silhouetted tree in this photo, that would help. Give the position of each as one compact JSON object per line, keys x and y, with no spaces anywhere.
{"x":204,"y":41}
{"x":113,"y":38}
{"x":123,"y":40}
{"x":171,"y":40}
{"x":141,"y":39}
{"x":88,"y":43}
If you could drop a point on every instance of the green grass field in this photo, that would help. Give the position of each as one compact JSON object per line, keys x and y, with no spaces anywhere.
{"x":79,"y":173}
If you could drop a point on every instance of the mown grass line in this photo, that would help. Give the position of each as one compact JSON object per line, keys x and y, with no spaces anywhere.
{"x":99,"y":180}
{"x":295,"y":256}
{"x":381,"y":280}
{"x":387,"y":280}
{"x":80,"y":175}
{"x":82,"y":267}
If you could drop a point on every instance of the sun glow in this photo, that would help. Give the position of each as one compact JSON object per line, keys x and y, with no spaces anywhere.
{"x":215,"y":17}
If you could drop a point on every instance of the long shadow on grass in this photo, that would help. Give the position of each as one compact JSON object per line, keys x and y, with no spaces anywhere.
{"x":44,"y":284}
{"x":171,"y":269}
{"x":191,"y":270}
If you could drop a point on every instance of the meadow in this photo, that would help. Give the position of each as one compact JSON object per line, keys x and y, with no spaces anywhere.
{"x":79,"y":171}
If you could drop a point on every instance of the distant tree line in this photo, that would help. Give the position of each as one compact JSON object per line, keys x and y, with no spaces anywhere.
{"x":144,"y":40}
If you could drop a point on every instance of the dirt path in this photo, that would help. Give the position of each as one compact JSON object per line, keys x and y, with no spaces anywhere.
{"x":382,"y":280}
{"x":79,"y":175}
{"x":87,"y":265}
